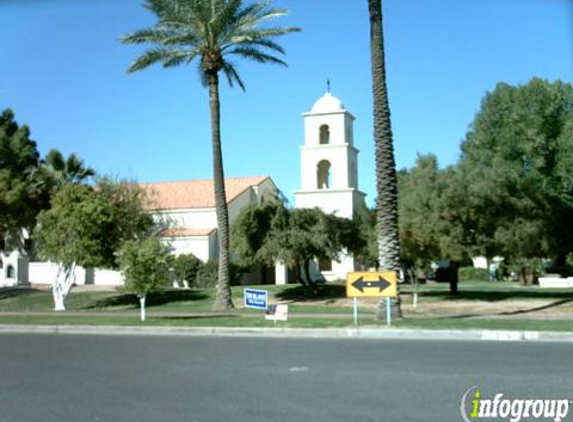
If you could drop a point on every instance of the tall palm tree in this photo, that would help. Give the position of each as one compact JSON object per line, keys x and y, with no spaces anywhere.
{"x":211,"y":31}
{"x":386,"y":180}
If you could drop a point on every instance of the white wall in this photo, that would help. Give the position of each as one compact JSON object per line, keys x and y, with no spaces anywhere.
{"x":336,"y":122}
{"x":17,"y":265}
{"x":339,"y":202}
{"x":197,"y":218}
{"x":44,"y":273}
{"x":479,"y":262}
{"x":197,"y":245}
{"x":214,"y":245}
{"x":103,"y":277}
{"x":240,"y":202}
{"x":339,"y":158}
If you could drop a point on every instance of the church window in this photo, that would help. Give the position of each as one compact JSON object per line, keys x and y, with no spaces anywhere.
{"x":324,"y":135}
{"x":10,"y":273}
{"x":323,"y":175}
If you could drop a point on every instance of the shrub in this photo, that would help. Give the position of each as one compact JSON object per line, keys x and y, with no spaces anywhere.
{"x":208,"y":273}
{"x":473,"y":274}
{"x":144,"y":264}
{"x":186,"y":267}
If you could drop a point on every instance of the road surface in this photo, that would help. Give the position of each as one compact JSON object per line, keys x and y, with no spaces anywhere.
{"x":76,"y":378}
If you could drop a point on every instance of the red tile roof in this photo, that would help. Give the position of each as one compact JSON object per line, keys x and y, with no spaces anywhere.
{"x":196,"y":193}
{"x":186,"y":232}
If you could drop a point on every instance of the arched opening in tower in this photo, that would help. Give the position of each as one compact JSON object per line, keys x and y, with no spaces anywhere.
{"x":324,"y":135}
{"x":323,"y":174}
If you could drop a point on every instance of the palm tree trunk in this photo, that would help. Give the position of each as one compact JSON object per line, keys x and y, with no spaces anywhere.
{"x":223,"y":299}
{"x":386,"y":181}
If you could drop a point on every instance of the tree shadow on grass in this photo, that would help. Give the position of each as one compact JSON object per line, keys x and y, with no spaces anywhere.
{"x":327,"y":292}
{"x":497,"y":296}
{"x":10,"y":292}
{"x":507,"y":313}
{"x":196,"y":317}
{"x":538,"y":308}
{"x":130,"y":300}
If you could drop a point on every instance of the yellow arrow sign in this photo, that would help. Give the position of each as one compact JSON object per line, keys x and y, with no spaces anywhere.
{"x":371,"y":284}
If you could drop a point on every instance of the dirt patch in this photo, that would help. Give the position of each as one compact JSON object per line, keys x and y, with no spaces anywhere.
{"x":531,"y":309}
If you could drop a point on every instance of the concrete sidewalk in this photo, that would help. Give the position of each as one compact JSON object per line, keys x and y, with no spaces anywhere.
{"x":330,"y":333}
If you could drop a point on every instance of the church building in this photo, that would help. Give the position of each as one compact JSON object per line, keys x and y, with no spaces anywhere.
{"x":187,"y":208}
{"x":329,"y":172}
{"x":329,"y":181}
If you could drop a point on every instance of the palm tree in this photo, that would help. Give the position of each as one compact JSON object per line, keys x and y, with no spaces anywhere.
{"x":386,"y":180}
{"x":211,"y":31}
{"x":59,"y":170}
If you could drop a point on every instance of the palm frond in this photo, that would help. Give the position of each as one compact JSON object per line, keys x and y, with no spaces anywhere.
{"x":232,"y":75}
{"x":210,"y":29}
{"x":178,"y":57}
{"x":152,"y":56}
{"x":253,"y":41}
{"x":256,"y":55}
{"x":272,"y":32}
{"x":226,"y":15}
{"x":154,"y":35}
{"x":161,"y":7}
{"x":55,"y":160}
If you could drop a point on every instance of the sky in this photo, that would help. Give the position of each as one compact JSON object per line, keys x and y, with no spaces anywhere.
{"x":64,"y":74}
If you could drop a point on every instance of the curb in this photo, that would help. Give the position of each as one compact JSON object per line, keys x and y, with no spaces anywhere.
{"x":332,"y":333}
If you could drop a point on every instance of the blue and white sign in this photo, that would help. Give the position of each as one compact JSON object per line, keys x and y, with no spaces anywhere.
{"x":255,"y":299}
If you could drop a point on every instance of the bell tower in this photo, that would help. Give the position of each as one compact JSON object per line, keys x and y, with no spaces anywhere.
{"x":329,"y":169}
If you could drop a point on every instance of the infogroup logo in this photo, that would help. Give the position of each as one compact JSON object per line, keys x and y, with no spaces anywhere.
{"x":474,"y":407}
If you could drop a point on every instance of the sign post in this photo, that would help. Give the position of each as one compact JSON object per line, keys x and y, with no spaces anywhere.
{"x":388,"y":311}
{"x":372,"y":284}
{"x":355,"y":311}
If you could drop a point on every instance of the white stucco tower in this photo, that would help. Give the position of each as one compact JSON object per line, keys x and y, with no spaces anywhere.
{"x":329,"y":170}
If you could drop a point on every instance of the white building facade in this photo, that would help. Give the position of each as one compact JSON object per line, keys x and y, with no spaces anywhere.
{"x":329,"y":172}
{"x":187,"y":208}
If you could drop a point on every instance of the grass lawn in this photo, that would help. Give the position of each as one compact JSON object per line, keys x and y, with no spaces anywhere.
{"x":487,"y":291}
{"x":184,"y":321}
{"x":193,"y":308}
{"x":487,"y":324}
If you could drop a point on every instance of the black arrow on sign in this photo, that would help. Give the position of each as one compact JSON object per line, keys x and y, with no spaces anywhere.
{"x":360,"y":284}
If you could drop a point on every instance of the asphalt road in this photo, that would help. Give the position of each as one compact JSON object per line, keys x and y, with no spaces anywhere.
{"x":79,"y":378}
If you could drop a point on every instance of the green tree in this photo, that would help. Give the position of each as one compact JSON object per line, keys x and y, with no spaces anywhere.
{"x":145,"y":267}
{"x":419,"y":213}
{"x":211,"y":31}
{"x":265,"y":235}
{"x":517,"y":161}
{"x":20,"y":202}
{"x":87,"y":226}
{"x":365,"y":222}
{"x":436,"y":220}
{"x":186,"y":267}
{"x":59,"y":170}
{"x":386,"y":179}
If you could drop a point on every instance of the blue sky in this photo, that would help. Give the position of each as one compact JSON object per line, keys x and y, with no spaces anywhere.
{"x":64,"y":74}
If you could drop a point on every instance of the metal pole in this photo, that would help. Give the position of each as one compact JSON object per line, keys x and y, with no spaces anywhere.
{"x":388,"y":311}
{"x":355,"y":311}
